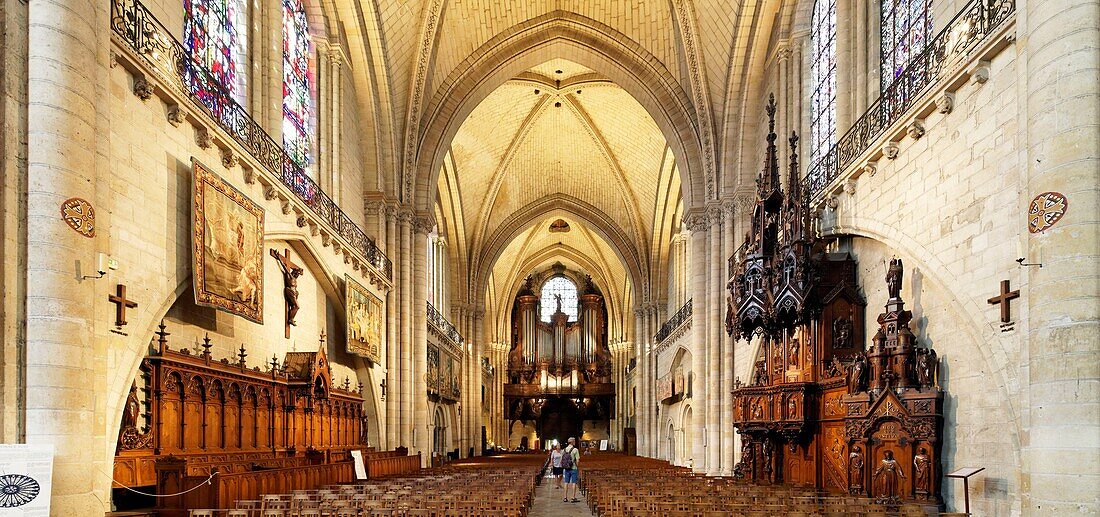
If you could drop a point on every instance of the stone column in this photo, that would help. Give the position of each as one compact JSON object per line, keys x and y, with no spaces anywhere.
{"x":66,"y":345}
{"x":335,"y":59}
{"x":421,"y":226}
{"x":479,"y":350}
{"x":713,"y":325}
{"x":697,"y":224}
{"x":726,"y":351}
{"x":1061,"y":90}
{"x":404,"y":397}
{"x":641,"y":410}
{"x":844,"y":68}
{"x":393,"y":347}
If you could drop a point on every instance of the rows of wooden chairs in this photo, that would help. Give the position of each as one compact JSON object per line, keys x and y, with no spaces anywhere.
{"x":494,"y":489}
{"x":622,"y":486}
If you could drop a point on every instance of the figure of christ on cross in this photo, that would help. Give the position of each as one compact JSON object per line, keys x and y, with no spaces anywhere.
{"x":291,"y":272}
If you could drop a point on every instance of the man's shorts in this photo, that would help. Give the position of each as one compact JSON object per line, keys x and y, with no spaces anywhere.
{"x":570,"y":476}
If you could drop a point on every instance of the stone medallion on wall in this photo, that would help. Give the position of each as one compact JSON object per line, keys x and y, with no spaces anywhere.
{"x":79,"y":215}
{"x":1046,"y":210}
{"x":227,"y":243}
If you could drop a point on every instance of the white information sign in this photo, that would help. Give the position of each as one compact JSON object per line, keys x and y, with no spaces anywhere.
{"x":603,"y":445}
{"x":25,"y":474}
{"x":360,"y":466}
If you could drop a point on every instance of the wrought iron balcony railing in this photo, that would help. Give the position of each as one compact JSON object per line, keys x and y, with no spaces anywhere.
{"x":445,"y":327}
{"x":674,"y":322}
{"x":146,"y":36}
{"x":965,"y":32}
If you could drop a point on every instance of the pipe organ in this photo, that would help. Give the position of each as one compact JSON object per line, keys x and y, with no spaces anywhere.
{"x":559,"y":362}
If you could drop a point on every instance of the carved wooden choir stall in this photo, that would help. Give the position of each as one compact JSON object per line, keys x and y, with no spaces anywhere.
{"x":559,"y":373}
{"x":820,"y":410}
{"x":267,"y":429}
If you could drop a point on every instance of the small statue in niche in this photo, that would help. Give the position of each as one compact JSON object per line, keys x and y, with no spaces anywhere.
{"x":777,"y":357}
{"x":893,"y":278}
{"x":855,"y":470}
{"x":922,"y":466}
{"x":730,"y":315}
{"x":891,"y":472}
{"x":842,"y":332}
{"x":792,"y":356}
{"x":856,"y":373}
{"x":132,"y":411}
{"x":291,"y":272}
{"x":927,"y":364}
{"x":760,"y":374}
{"x":757,"y":410}
{"x":792,"y":407}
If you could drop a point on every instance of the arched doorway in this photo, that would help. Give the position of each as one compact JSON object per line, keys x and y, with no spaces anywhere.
{"x":689,"y":440}
{"x":439,"y":433}
{"x":671,"y":439}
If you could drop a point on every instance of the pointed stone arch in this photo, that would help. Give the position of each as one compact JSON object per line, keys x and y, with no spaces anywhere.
{"x":586,"y":42}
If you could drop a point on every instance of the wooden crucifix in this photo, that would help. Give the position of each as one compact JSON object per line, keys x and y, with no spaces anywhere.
{"x":291,"y":272}
{"x":1004,"y":300}
{"x":121,"y":304}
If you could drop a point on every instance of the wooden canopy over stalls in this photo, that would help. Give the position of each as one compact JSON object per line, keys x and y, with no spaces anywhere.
{"x":189,"y":415}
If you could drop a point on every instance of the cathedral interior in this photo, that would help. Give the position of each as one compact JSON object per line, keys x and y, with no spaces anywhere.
{"x":379,"y":257}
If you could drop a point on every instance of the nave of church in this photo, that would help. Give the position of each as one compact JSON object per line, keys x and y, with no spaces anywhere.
{"x":380,"y":257}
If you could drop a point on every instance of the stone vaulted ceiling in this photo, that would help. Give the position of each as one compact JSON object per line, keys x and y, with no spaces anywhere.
{"x":559,"y":137}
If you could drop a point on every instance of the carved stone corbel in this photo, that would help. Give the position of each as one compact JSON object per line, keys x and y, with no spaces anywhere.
{"x":203,"y":138}
{"x":916,"y":129}
{"x":870,"y":168}
{"x":176,"y":115}
{"x":229,"y":158}
{"x":979,"y":74}
{"x":945,"y":102}
{"x":890,"y":150}
{"x":143,"y":88}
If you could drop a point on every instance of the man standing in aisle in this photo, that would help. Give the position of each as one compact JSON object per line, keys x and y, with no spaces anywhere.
{"x":570,"y":462}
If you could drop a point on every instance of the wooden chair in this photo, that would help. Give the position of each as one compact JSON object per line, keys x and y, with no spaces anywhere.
{"x":201,"y":513}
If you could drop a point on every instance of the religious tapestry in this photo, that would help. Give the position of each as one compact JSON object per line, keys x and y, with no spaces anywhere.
{"x":364,"y":321}
{"x":664,"y":387}
{"x":227,"y":242}
{"x":679,"y":384}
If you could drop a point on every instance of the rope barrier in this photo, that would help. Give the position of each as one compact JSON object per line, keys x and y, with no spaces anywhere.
{"x":192,"y":489}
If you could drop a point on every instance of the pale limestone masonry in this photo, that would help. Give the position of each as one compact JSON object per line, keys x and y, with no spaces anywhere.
{"x":947,"y":193}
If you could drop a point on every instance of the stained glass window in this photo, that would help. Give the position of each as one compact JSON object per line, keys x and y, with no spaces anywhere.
{"x":823,"y":78}
{"x":297,"y":85}
{"x":551,"y":290}
{"x":216,"y":37}
{"x":906,"y":26}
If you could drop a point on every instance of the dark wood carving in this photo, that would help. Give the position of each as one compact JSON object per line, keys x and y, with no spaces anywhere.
{"x":210,"y":415}
{"x":820,"y":410}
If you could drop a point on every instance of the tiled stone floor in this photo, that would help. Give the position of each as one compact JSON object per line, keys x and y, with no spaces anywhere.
{"x":548,"y":503}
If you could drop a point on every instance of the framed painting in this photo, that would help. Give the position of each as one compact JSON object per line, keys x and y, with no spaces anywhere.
{"x":227,"y":246}
{"x":364,"y":321}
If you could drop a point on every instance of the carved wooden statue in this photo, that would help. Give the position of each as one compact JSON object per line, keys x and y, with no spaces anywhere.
{"x":291,"y":272}
{"x":889,"y":470}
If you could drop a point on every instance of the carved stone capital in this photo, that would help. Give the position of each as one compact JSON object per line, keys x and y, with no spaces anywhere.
{"x":697,"y":222}
{"x":423,"y":224}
